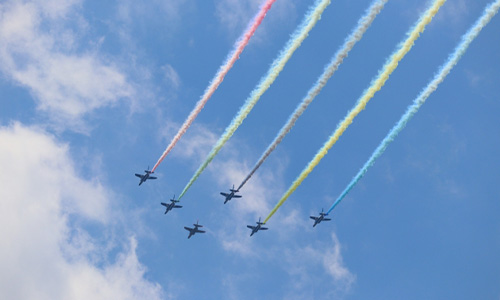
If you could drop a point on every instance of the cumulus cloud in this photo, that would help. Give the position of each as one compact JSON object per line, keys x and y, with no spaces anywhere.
{"x":39,"y":51}
{"x":45,"y":252}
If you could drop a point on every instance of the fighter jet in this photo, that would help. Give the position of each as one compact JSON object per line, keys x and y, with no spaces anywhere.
{"x":230,"y":195}
{"x":171,"y":205}
{"x":146,"y":176}
{"x":193,"y":231}
{"x":257,"y":228}
{"x":320,"y":218}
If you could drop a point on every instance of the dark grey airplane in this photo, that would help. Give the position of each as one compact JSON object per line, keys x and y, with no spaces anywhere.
{"x":171,"y":205}
{"x":257,"y":228}
{"x":230,"y":195}
{"x":146,"y":176}
{"x":193,"y":231}
{"x":320,"y":218}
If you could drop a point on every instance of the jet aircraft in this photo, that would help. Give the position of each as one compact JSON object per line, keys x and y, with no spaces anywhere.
{"x":193,"y":231}
{"x":171,"y":205}
{"x":257,"y":228}
{"x":230,"y":195}
{"x":320,"y":218}
{"x":146,"y":176}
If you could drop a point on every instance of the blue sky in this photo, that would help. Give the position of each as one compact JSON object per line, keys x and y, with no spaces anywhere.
{"x":92,"y":92}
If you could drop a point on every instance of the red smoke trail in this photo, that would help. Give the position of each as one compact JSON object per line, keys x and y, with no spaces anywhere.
{"x":239,"y":46}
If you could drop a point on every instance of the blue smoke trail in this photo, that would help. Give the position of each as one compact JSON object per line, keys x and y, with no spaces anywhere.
{"x":453,"y":59}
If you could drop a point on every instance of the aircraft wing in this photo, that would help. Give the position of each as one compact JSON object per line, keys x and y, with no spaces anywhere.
{"x":187,"y":228}
{"x":152,"y":177}
{"x":314,"y":218}
{"x":237,"y":196}
{"x":326,"y":219}
{"x":201,"y":231}
{"x":264,"y":228}
{"x":224,"y":194}
{"x":177,"y":206}
{"x":164,"y":204}
{"x":251,"y":227}
{"x":139,"y":175}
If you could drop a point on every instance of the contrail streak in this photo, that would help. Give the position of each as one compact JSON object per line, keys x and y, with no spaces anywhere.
{"x":356,"y":35}
{"x":228,"y":64}
{"x":311,"y":18}
{"x":453,"y":59}
{"x":376,"y":85}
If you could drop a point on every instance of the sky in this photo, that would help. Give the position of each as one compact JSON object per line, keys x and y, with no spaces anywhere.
{"x":92,"y":92}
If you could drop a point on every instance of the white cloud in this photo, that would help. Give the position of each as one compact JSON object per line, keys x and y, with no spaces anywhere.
{"x":166,"y":13}
{"x":453,"y":11}
{"x":195,"y":144}
{"x":235,"y":14}
{"x":474,"y":78}
{"x":44,"y":252}
{"x":38,"y":51}
{"x":171,"y":76}
{"x":57,"y":8}
{"x":333,"y":263}
{"x":309,"y":264}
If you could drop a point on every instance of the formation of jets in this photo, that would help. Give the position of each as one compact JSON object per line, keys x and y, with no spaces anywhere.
{"x":228,"y":196}
{"x":193,"y":231}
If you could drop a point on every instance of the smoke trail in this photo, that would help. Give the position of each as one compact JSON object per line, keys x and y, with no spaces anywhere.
{"x":311,"y":18}
{"x":453,"y":59}
{"x":228,"y":64}
{"x":330,"y":69}
{"x":376,"y":85}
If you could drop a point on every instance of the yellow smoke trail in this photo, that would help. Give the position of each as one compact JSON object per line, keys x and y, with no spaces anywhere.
{"x":376,"y":85}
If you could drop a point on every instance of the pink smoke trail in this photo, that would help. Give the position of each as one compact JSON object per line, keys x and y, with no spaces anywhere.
{"x":232,"y":57}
